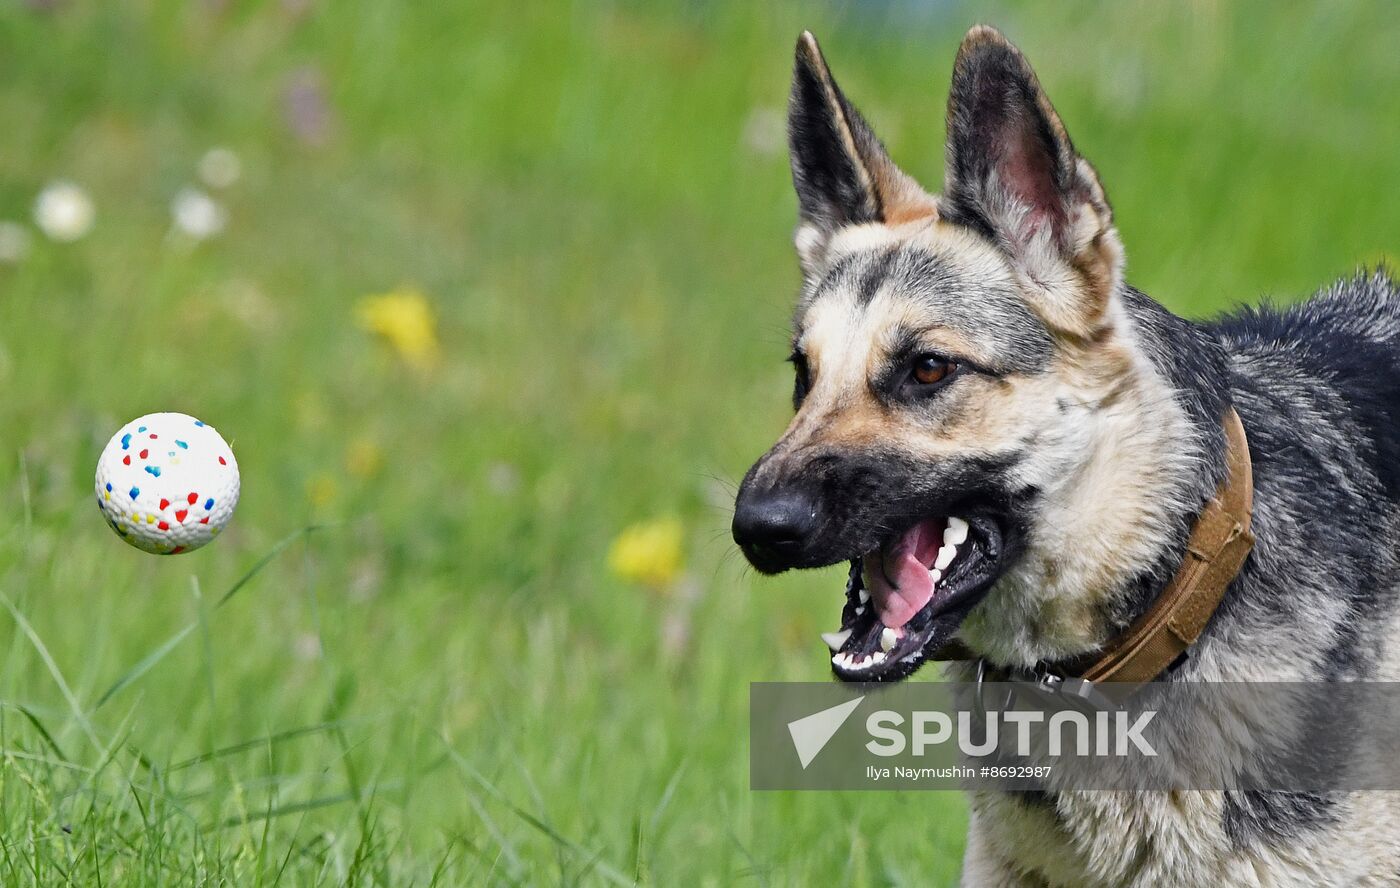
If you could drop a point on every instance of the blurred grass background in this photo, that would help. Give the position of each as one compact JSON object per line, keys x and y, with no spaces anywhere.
{"x":446,"y":683}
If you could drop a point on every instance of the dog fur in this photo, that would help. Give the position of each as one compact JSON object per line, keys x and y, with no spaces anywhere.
{"x":1091,"y":417}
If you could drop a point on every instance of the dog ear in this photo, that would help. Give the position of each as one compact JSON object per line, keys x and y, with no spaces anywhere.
{"x":1013,"y":174}
{"x":842,"y":173}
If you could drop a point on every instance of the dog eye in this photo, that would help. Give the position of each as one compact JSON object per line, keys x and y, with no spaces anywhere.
{"x":802,"y":379}
{"x":931,"y":369}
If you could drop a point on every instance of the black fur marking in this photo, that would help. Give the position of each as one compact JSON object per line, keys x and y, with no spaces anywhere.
{"x":1037,"y":800}
{"x":1325,"y":395}
{"x":826,"y":174}
{"x":863,"y":498}
{"x":1363,"y":362}
{"x":1253,"y":818}
{"x":875,"y":275}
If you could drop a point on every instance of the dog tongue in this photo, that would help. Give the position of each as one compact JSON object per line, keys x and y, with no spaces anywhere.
{"x":898,"y":577}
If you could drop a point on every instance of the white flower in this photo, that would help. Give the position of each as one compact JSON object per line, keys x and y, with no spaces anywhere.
{"x":503,"y":478}
{"x":14,"y":242}
{"x":64,"y":211}
{"x":765,"y":132}
{"x":197,"y":214}
{"x":220,"y":168}
{"x":307,"y":646}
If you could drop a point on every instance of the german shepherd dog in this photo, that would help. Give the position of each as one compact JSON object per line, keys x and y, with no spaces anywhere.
{"x":1010,"y":445}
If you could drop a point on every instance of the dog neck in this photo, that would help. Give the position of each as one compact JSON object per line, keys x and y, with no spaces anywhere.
{"x":1113,"y":521}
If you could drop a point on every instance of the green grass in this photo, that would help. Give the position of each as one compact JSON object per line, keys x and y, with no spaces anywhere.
{"x":443,"y":683}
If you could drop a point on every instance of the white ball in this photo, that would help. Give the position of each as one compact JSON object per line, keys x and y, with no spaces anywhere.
{"x":167,"y":483}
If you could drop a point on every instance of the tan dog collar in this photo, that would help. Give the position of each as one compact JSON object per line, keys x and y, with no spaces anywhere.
{"x":1219,"y":542}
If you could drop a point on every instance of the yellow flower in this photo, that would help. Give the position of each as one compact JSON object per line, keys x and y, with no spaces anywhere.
{"x":405,"y":320}
{"x":321,"y":490}
{"x":648,"y":552}
{"x":309,"y":411}
{"x":364,"y":458}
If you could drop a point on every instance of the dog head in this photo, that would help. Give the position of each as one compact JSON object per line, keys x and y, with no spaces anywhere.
{"x":960,"y":360}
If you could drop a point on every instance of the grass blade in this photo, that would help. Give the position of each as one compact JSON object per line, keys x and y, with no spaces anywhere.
{"x":144,"y":666}
{"x":52,"y":665}
{"x":266,"y":740}
{"x":592,"y":859}
{"x":265,"y":561}
{"x":43,"y":731}
{"x":150,"y":660}
{"x":293,"y":808}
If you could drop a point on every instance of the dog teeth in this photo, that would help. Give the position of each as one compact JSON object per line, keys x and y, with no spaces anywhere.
{"x":888,"y":638}
{"x":864,"y":596}
{"x":934,"y":576}
{"x":955,"y":534}
{"x":945,"y":555}
{"x":860,"y":610}
{"x":835,"y":640}
{"x":860,"y":661}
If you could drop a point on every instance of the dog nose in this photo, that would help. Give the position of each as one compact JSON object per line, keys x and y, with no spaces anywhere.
{"x":773,"y":526}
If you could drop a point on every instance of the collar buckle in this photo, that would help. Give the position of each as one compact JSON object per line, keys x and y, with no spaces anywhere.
{"x":1046,"y":682}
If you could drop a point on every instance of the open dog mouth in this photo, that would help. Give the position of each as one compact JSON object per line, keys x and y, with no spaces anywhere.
{"x":907,"y":598}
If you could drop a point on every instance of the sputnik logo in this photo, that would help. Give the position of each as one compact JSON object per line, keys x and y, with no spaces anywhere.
{"x":811,"y":733}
